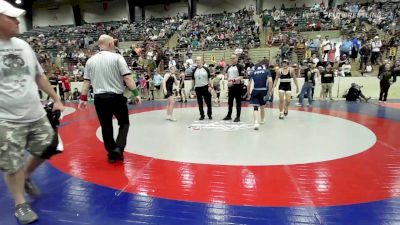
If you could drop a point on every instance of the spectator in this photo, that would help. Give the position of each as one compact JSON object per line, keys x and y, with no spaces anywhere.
{"x":346,"y":68}
{"x":327,"y":80}
{"x":376,"y":45}
{"x":76,"y":94}
{"x":355,"y":48}
{"x":172,"y":62}
{"x":387,"y":78}
{"x":326,"y":46}
{"x":365,"y":54}
{"x":345,"y":47}
{"x":332,"y":55}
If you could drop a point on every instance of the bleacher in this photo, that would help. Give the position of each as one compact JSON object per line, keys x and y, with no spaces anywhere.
{"x":236,"y":27}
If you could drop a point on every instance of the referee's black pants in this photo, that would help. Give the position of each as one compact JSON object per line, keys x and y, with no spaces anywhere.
{"x":108,"y":105}
{"x":202,"y":92}
{"x":235,"y":92}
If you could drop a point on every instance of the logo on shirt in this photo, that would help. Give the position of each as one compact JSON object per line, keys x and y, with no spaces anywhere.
{"x":13,"y":69}
{"x":14,"y":65}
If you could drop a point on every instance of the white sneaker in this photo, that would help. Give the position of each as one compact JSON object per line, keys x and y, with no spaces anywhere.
{"x":256,"y":126}
{"x":262,"y":121}
{"x":171,"y":119}
{"x":298,"y":104}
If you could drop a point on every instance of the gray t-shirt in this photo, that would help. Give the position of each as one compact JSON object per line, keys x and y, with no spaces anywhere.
{"x":105,"y":70}
{"x":19,"y":98}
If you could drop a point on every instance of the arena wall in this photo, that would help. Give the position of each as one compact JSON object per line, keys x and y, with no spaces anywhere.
{"x":62,"y":15}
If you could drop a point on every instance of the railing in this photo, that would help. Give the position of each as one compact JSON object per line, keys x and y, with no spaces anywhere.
{"x":255,"y":55}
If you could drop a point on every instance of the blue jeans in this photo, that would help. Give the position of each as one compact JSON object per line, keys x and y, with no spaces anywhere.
{"x":307,"y":88}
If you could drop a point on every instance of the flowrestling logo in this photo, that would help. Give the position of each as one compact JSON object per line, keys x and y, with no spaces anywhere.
{"x":220,"y":126}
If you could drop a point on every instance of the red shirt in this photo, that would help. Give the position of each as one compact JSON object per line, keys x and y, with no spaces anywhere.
{"x":65,"y":81}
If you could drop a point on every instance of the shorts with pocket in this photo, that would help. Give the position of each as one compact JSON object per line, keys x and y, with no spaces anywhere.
{"x":15,"y":138}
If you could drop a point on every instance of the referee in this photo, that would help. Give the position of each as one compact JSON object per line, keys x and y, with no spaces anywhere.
{"x":201,"y":79}
{"x":235,"y":87}
{"x":107,"y":72}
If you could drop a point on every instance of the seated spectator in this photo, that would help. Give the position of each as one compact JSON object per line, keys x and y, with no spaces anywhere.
{"x":346,"y":68}
{"x":76,"y":94}
{"x":354,"y":93}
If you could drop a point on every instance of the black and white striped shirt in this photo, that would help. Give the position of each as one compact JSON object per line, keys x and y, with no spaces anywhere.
{"x":106,"y":70}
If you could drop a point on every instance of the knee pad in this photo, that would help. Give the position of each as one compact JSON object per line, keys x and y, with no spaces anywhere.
{"x":255,"y":108}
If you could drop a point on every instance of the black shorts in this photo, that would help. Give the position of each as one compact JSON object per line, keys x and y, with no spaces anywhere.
{"x":158,"y":87}
{"x":258,"y":97}
{"x":285,"y":87}
{"x":169,"y":93}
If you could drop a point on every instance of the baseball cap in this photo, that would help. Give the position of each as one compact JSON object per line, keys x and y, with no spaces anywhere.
{"x":9,"y":10}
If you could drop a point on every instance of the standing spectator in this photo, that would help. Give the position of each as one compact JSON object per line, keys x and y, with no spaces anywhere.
{"x":66,"y":86}
{"x":376,"y":45}
{"x":326,"y":46}
{"x":23,"y":121}
{"x":201,"y":84}
{"x":234,"y":73}
{"x":345,"y":47}
{"x":387,"y":77}
{"x":365,"y":54}
{"x":222,"y":63}
{"x":327,"y":79}
{"x":158,"y":79}
{"x":315,"y":59}
{"x":396,"y":68}
{"x":107,"y":72}
{"x":332,"y":55}
{"x":151,"y":88}
{"x":355,"y":48}
{"x":310,"y":73}
{"x":143,"y":86}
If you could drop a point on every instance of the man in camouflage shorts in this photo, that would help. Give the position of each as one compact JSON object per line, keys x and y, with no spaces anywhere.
{"x":23,"y":121}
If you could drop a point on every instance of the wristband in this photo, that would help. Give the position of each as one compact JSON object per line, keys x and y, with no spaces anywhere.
{"x":84,"y":98}
{"x":135,"y":92}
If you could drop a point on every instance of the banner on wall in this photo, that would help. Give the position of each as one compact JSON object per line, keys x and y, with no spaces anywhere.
{"x":307,"y":54}
{"x":392,"y":51}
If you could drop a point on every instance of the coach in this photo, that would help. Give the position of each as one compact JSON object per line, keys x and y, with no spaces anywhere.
{"x":107,"y":72}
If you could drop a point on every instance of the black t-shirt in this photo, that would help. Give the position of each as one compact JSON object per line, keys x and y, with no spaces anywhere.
{"x":53,"y":81}
{"x":309,"y":76}
{"x":327,"y":77}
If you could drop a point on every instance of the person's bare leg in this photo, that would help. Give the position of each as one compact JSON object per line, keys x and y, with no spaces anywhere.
{"x":15,"y":183}
{"x":31,"y":165}
{"x":168,"y":110}
{"x":256,"y":116}
{"x":288,"y":98}
{"x":281,"y":101}
{"x":171,"y":106}
{"x":262,"y":114}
